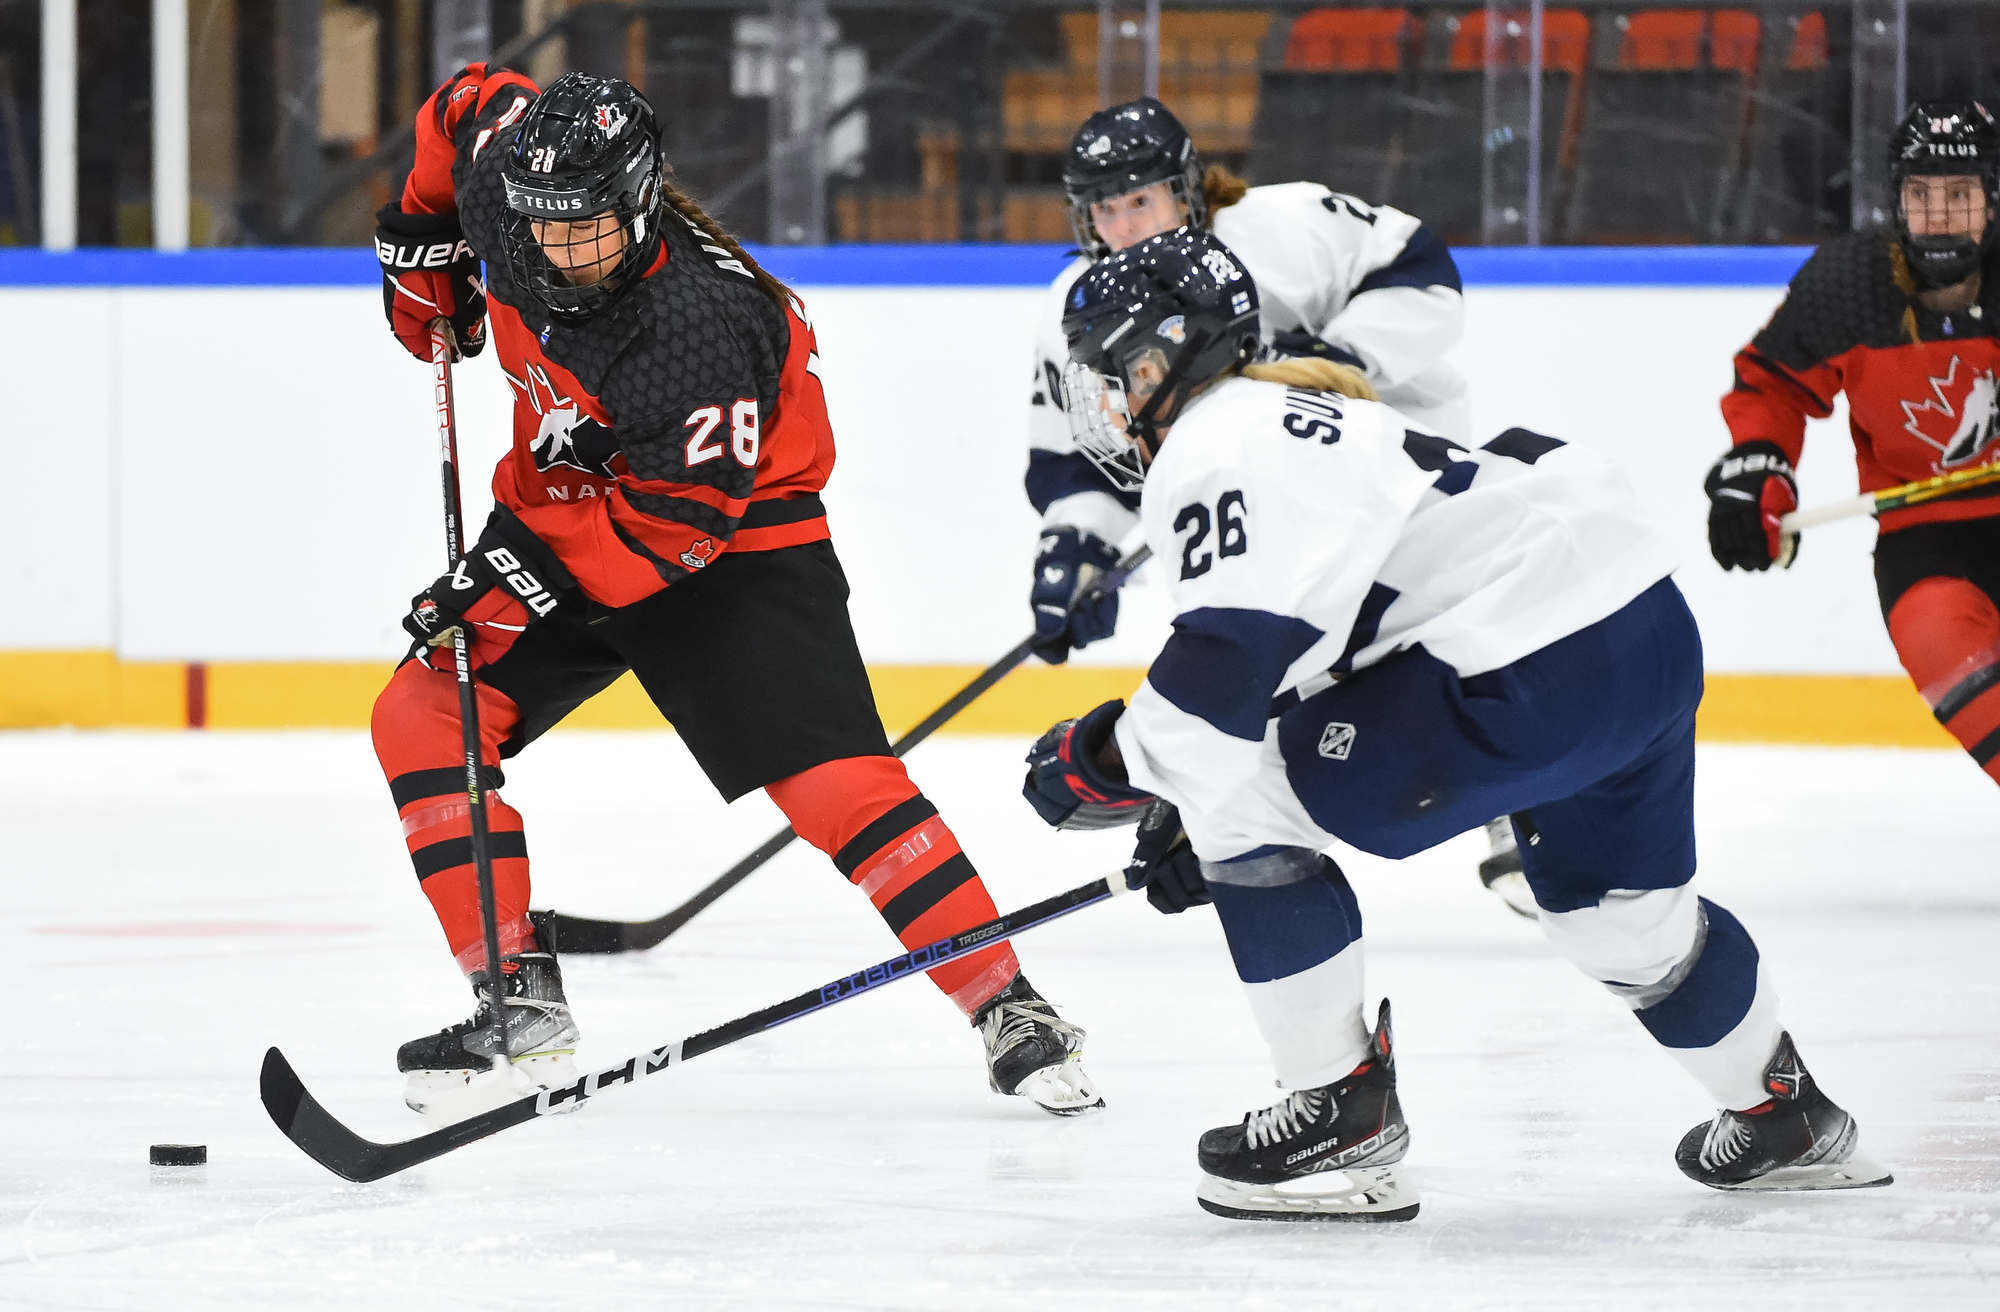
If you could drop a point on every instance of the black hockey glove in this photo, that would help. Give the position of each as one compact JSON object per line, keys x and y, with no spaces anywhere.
{"x":1297,"y":342}
{"x":1069,"y":561}
{"x":429,"y":272}
{"x":508,"y":580}
{"x":1163,"y":864}
{"x":1749,"y":489}
{"x":1067,"y":785}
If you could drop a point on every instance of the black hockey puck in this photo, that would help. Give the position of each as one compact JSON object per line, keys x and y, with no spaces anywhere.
{"x":178,"y":1154}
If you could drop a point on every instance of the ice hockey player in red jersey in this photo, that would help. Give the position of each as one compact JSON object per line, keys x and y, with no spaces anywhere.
{"x":659,"y":511}
{"x":1904,"y":322}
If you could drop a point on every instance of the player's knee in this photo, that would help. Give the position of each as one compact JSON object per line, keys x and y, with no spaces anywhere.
{"x":1940,"y":627}
{"x":1635,"y":942}
{"x":839,"y":802}
{"x":405,"y":713}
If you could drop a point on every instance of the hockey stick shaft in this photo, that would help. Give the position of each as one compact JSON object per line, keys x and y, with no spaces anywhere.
{"x":468,"y":692}
{"x":583,"y":935}
{"x":1899,"y":497}
{"x":321,"y":1137}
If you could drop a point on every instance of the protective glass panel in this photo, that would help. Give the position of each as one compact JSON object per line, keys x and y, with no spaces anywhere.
{"x":1500,"y":121}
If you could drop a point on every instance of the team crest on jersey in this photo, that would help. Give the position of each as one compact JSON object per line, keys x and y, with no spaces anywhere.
{"x":1960,"y":418}
{"x":1336,"y":741}
{"x":1173,"y":328}
{"x":609,"y":118}
{"x":699,"y":554}
{"x":566,"y":436}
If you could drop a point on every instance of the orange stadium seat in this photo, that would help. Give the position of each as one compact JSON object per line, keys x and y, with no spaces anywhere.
{"x":1350,"y":40}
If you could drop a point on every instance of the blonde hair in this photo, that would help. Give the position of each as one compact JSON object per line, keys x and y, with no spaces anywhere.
{"x":690,"y":209}
{"x":1221,"y":188}
{"x":1311,"y":371}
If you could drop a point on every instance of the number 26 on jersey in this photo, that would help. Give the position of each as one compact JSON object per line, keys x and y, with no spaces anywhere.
{"x":1197,"y":556}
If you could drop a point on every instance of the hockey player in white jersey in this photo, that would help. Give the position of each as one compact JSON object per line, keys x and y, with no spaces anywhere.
{"x":1339,"y":279}
{"x":1381,"y":637}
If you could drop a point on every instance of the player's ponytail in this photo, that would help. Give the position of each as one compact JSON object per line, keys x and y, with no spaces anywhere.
{"x":688,"y":208}
{"x":1311,"y":371}
{"x":1221,"y":188}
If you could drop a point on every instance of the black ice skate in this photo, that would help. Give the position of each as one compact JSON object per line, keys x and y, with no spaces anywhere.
{"x":1800,"y":1139}
{"x":450,"y":1074}
{"x":1322,"y":1154}
{"x":1501,"y":871}
{"x":1033,"y":1053}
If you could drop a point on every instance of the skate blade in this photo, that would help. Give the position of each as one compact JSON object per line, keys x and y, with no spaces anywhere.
{"x":1855,"y":1173}
{"x":1064,"y":1089}
{"x":1359,"y":1193}
{"x":443,"y":1097}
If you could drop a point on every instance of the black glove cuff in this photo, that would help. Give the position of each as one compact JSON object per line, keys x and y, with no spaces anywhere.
{"x":1749,"y":460}
{"x":1088,"y":739}
{"x":505,"y":529}
{"x":392,"y":222}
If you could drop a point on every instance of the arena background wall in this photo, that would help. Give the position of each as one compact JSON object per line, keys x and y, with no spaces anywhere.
{"x":222,"y":482}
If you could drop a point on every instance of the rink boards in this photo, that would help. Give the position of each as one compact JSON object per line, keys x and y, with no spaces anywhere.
{"x":228,"y":488}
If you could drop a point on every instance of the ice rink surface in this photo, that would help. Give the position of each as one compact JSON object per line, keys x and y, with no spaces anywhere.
{"x":180,"y":902}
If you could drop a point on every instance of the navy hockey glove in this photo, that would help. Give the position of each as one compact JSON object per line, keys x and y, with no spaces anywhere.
{"x":508,"y":580}
{"x":1069,"y":787}
{"x":1749,"y":489}
{"x":1069,"y":561}
{"x":429,"y":272}
{"x":1163,"y":864}
{"x":1297,"y":341}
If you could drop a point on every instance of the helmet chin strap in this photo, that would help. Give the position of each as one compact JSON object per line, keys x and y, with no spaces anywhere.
{"x":1141,"y":424}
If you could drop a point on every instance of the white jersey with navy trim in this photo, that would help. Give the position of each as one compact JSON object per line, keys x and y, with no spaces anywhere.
{"x":1369,"y":280}
{"x":1304,"y":533}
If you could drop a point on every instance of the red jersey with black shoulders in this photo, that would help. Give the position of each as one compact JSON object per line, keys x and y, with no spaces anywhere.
{"x":1923,"y":388}
{"x":683,"y":420}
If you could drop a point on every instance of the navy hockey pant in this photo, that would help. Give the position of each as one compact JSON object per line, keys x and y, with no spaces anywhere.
{"x":1588,"y":744}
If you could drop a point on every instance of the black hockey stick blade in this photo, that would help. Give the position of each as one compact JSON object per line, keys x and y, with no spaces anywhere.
{"x":320,"y":1136}
{"x":583,"y":935}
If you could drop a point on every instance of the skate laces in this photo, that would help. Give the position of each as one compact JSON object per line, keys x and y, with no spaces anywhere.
{"x":1728,"y":1139}
{"x":1010,"y":1024}
{"x":1280,"y":1122}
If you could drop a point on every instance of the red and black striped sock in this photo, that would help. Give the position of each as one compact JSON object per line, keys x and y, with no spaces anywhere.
{"x":890,"y":842}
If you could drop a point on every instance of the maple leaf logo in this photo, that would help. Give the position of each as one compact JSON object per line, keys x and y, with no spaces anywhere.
{"x":699,"y":554}
{"x":1972,"y":407}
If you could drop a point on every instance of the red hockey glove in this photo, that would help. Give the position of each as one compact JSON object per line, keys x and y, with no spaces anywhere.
{"x":507,"y":581}
{"x":1067,"y":785}
{"x":1749,"y":490}
{"x":429,"y":273}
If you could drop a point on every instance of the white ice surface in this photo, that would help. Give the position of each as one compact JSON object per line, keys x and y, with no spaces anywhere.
{"x":179,"y":902}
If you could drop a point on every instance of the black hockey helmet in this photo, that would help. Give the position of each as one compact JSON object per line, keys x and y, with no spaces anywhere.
{"x":1122,"y":149}
{"x":1180,"y":304}
{"x":1946,"y":138}
{"x":587,"y":146}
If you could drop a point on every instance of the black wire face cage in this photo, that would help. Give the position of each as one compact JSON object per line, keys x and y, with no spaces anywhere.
{"x":578,"y":267}
{"x":1941,"y":260}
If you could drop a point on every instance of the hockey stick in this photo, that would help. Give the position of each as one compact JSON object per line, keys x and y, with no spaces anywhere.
{"x":1900,"y":497}
{"x":468,"y":696}
{"x":306,"y":1123}
{"x":581,"y":934}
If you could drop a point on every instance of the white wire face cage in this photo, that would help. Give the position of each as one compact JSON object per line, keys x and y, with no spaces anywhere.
{"x":1097,"y":410}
